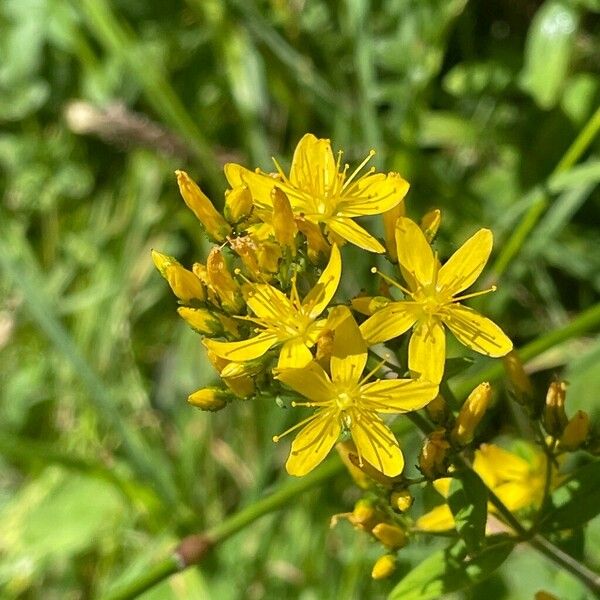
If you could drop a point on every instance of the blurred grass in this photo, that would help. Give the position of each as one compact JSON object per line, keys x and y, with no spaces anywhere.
{"x":474,"y":103}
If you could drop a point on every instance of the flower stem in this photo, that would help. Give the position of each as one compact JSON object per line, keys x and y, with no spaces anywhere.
{"x":538,"y":207}
{"x":195,"y":547}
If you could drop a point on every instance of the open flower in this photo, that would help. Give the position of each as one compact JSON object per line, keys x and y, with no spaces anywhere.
{"x":320,"y":190}
{"x":433,"y":302}
{"x":517,"y":482}
{"x":288,"y":321}
{"x":346,"y":401}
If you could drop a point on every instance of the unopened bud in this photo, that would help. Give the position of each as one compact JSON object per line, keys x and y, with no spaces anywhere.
{"x":238,"y":204}
{"x":401,"y":500}
{"x":576,"y":431}
{"x":185,"y":285}
{"x":284,"y":224}
{"x":391,"y":536}
{"x":543,"y":595}
{"x":216,"y":226}
{"x":201,"y":320}
{"x":367,"y":305}
{"x":433,"y":460}
{"x":317,"y":245}
{"x":325,"y":345}
{"x":430,"y":224}
{"x":554,"y":416}
{"x":389,"y":229}
{"x":222,"y":282}
{"x":470,"y":414}
{"x":520,"y":384}
{"x":438,"y":410}
{"x":365,"y":515}
{"x":245,"y":247}
{"x":210,"y":398}
{"x":384,"y":566}
{"x":268,"y":255}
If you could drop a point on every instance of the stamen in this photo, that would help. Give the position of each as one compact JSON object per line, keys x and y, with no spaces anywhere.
{"x":474,"y":294}
{"x":391,"y":281}
{"x":280,"y":170}
{"x":372,"y":372}
{"x":359,"y":168}
{"x":276,"y":438}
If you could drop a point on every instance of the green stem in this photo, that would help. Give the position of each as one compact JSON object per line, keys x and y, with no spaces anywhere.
{"x":217,"y":534}
{"x":586,"y":321}
{"x":514,"y":243}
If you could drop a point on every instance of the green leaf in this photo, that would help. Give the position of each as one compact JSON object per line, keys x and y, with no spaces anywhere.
{"x":449,"y":571}
{"x":575,"y":502}
{"x":548,"y":50}
{"x":468,"y":503}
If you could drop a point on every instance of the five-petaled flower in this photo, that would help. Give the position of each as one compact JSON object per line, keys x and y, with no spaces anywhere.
{"x":321,"y":191}
{"x":433,"y":302}
{"x":290,"y":322}
{"x":347,"y":401}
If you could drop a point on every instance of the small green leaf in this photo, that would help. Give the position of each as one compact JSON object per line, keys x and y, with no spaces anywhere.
{"x":576,"y":501}
{"x":468,"y":503}
{"x":450,"y":570}
{"x":548,"y":50}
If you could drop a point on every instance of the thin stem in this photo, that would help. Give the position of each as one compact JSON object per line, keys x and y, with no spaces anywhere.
{"x":537,"y":209}
{"x":201,"y":544}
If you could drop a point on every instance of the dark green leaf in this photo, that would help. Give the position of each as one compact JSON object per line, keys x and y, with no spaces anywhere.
{"x":449,"y":571}
{"x":468,"y":503}
{"x":575,"y":502}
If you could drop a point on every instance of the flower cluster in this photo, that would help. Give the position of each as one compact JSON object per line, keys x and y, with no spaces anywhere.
{"x":264,"y":301}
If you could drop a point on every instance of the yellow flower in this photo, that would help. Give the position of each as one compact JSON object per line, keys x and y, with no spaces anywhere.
{"x":346,"y":402}
{"x":517,"y":482}
{"x":434,"y":303}
{"x":321,"y":190}
{"x":287,"y":321}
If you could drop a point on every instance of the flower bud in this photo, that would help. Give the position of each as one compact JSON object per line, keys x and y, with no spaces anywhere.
{"x":365,"y":515}
{"x":384,"y":566}
{"x":391,"y":536}
{"x":222,"y":282}
{"x":216,"y":226}
{"x":470,"y":414}
{"x":520,"y":384}
{"x":433,"y":460}
{"x":543,"y":595}
{"x":401,"y":500}
{"x":284,"y":224}
{"x":367,"y":305}
{"x":389,"y":229}
{"x":201,"y":320}
{"x":430,"y":224}
{"x":210,"y":398}
{"x":268,"y":255}
{"x":438,"y":410}
{"x":245,"y":248}
{"x":576,"y":431}
{"x":185,"y":285}
{"x":317,"y":245}
{"x":554,"y":417}
{"x":238,"y":204}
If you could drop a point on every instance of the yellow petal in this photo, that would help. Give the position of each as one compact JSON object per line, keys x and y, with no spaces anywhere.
{"x":389,"y":322}
{"x":310,"y":381}
{"x":476,"y":331}
{"x":349,"y":355}
{"x":313,"y":443}
{"x":496,"y":465}
{"x":347,"y":229}
{"x":438,"y":519}
{"x":465,"y":265}
{"x":415,"y":256}
{"x":397,"y":395}
{"x":313,"y":165}
{"x":320,"y":296}
{"x":372,"y":195}
{"x":259,"y":184}
{"x":376,"y":444}
{"x":294,"y":354}
{"x":269,"y":303}
{"x":201,"y":320}
{"x":243,"y":350}
{"x":427,"y":350}
{"x":517,"y":494}
{"x":442,"y":486}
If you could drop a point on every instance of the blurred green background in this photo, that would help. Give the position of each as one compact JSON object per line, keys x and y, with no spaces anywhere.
{"x":103,"y":465}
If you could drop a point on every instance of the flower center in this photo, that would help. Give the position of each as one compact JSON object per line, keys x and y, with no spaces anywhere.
{"x":344,"y":401}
